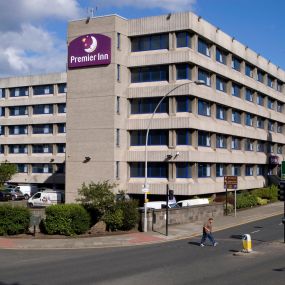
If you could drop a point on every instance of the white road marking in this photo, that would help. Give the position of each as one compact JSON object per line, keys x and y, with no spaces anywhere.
{"x":255,"y":231}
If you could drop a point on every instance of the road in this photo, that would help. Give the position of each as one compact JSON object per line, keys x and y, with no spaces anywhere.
{"x":175,"y":263}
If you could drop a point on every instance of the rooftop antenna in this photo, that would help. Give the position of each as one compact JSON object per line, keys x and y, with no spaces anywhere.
{"x":90,"y":13}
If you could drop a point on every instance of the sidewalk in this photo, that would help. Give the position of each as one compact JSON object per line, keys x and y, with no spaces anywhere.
{"x":175,"y":232}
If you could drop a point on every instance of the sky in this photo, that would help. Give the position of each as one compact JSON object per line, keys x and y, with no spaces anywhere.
{"x":33,"y":32}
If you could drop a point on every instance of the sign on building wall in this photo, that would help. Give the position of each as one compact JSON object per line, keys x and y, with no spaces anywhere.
{"x":89,"y":50}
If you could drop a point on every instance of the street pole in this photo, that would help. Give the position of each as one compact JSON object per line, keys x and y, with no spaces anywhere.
{"x":226,"y":200}
{"x":146,"y":186}
{"x":167,"y":201}
{"x":235,"y":202}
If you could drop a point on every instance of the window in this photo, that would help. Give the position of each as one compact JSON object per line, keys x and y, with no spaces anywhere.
{"x":61,"y":128}
{"x":279,"y":149}
{"x":42,"y":109}
{"x":18,"y":148}
{"x":117,"y":137}
{"x":18,"y":130}
{"x":221,"y":56}
{"x":221,"y":112}
{"x":42,"y":129}
{"x":118,"y":105}
{"x":42,"y":148}
{"x":270,"y":103}
{"x":1,"y":147}
{"x":183,"y":39}
{"x":2,"y":112}
{"x":279,"y":128}
{"x":204,"y":47}
{"x":249,"y":170}
{"x":248,"y":144}
{"x":204,"y":108}
{"x":43,"y":89}
{"x":204,"y":76}
{"x":18,"y":111}
{"x":279,"y":107}
{"x":22,"y":168}
{"x":260,"y":170}
{"x":118,"y":72}
{"x":236,"y":90}
{"x":236,"y":170}
{"x":236,"y":63}
{"x":152,"y":42}
{"x":204,"y":139}
{"x":270,"y":126}
{"x":149,"y":74}
{"x":260,"y":100}
{"x":249,"y":95}
{"x":155,"y":137}
{"x":270,"y":148}
{"x":260,"y":123}
{"x":236,"y":143}
{"x":249,"y":120}
{"x":183,"y":170}
{"x":41,"y":168}
{"x":62,"y":88}
{"x":60,"y":148}
{"x":2,"y":93}
{"x":204,"y":170}
{"x":236,"y":116}
{"x":183,"y":137}
{"x":279,"y":86}
{"x":183,"y":71}
{"x":117,"y":169}
{"x":61,"y":108}
{"x":221,"y":141}
{"x":147,"y":105}
{"x":260,"y":76}
{"x":220,"y":170}
{"x":221,"y":84}
{"x":19,"y":92}
{"x":183,"y":104}
{"x":118,"y":40}
{"x":60,"y":168}
{"x":270,"y":81}
{"x":260,"y":146}
{"x":154,"y":169}
{"x":249,"y":70}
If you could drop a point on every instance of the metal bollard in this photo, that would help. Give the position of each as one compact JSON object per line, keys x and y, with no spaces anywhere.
{"x":246,"y":242}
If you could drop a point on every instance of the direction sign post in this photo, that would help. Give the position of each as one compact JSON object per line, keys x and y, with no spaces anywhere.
{"x":230,"y":182}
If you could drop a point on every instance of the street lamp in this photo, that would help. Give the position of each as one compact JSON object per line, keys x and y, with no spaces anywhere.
{"x":146,"y":186}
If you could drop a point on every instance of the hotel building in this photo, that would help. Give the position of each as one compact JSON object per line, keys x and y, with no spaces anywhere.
{"x":231,"y":125}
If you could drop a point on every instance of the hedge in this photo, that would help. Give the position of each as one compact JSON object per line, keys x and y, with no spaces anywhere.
{"x":66,"y":219}
{"x":269,"y":193}
{"x":14,"y":220}
{"x":246,"y":200}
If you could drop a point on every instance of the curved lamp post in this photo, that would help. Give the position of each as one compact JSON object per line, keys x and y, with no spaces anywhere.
{"x":146,"y":186}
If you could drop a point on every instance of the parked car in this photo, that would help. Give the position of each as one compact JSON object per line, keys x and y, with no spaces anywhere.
{"x":5,"y":195}
{"x":27,"y":190}
{"x":16,"y":194}
{"x":193,"y":202}
{"x":46,"y":198}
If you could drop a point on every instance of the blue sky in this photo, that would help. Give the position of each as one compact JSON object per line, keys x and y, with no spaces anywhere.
{"x":33,"y":32}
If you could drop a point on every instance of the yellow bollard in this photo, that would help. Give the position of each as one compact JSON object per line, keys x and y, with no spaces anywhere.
{"x":246,"y":242}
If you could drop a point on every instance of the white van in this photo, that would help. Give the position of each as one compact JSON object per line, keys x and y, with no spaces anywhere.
{"x":27,"y":190}
{"x":193,"y":202}
{"x":160,"y":205}
{"x":46,"y":198}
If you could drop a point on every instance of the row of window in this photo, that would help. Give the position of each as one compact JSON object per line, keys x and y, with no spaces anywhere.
{"x":40,"y":168}
{"x":37,"y":90}
{"x":184,"y":39}
{"x":41,"y":109}
{"x":35,"y":129}
{"x":204,"y":139}
{"x":35,"y":148}
{"x":185,"y":170}
{"x":161,"y":73}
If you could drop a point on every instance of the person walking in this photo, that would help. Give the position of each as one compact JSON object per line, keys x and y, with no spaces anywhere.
{"x":207,"y":233}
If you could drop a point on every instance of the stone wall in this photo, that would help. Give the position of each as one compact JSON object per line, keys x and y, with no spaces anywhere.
{"x":156,"y":218}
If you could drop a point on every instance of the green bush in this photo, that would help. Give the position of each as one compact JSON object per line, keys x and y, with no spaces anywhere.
{"x":14,"y":220}
{"x":114,"y":219}
{"x":245,"y":200}
{"x":261,"y":201}
{"x":130,"y":213}
{"x":66,"y":219}
{"x":269,"y":193}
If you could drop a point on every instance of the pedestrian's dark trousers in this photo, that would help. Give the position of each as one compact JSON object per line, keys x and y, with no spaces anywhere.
{"x":209,"y":236}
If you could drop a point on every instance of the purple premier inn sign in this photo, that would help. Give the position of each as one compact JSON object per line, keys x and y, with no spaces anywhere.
{"x":89,"y":50}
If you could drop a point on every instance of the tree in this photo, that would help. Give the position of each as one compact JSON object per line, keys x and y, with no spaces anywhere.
{"x":7,"y":170}
{"x":97,"y":197}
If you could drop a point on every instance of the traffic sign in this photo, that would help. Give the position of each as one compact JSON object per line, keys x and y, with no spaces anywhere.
{"x":230,"y":182}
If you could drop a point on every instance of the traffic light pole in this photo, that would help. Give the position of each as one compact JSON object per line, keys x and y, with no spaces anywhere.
{"x":167,"y":201}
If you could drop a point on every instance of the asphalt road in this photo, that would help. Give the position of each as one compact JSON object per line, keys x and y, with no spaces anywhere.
{"x":179,"y":262}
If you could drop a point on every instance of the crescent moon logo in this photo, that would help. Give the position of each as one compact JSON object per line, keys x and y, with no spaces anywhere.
{"x":93,"y":45}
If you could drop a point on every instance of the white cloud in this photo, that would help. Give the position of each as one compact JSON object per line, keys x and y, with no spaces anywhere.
{"x":168,"y":5}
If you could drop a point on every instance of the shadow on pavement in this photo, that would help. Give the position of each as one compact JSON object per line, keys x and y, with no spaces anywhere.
{"x":236,"y":236}
{"x":279,"y":269}
{"x":190,"y":242}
